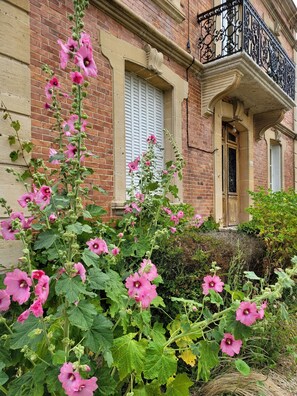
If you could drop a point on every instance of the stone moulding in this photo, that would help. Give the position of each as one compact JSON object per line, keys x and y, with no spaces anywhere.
{"x":154,"y":59}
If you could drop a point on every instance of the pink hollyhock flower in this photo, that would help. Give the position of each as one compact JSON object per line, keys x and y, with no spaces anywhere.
{"x":37,"y":274}
{"x":84,"y":59}
{"x":115,"y":251}
{"x":54,"y":82}
{"x":68,"y":125}
{"x":77,"y":77}
{"x":81,"y":271}
{"x":146,"y":296}
{"x":20,"y":216}
{"x":83,"y":387}
{"x":120,"y":235}
{"x":128,"y":209}
{"x":152,"y":139}
{"x":229,"y":345}
{"x":85,"y":39}
{"x":7,"y":230}
{"x":43,"y":196}
{"x":36,"y":308}
{"x":67,"y":51}
{"x":24,"y":316}
{"x":180,"y":214}
{"x":42,"y":288}
{"x":52,"y":153}
{"x":133,"y":166}
{"x":45,"y":190}
{"x":136,"y":207}
{"x":48,"y":90}
{"x":47,"y":106}
{"x":140,"y":197}
{"x":247,"y":313}
{"x":25,"y":199}
{"x":68,"y":377}
{"x":52,"y":217}
{"x":175,"y":219}
{"x":136,"y":284}
{"x":148,"y":163}
{"x":148,"y":270}
{"x":4,"y":301}
{"x":198,"y":220}
{"x":172,"y":230}
{"x":18,"y":285}
{"x":71,"y":151}
{"x":261,"y":311}
{"x":212,"y":282}
{"x":97,"y":246}
{"x":167,"y":211}
{"x":27,"y":223}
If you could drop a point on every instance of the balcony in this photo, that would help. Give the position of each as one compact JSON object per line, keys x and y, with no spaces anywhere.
{"x":243,"y":59}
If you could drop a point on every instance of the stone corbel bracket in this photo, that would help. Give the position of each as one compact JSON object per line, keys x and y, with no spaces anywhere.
{"x":154,"y":59}
{"x":264,"y":121}
{"x":217,"y":86}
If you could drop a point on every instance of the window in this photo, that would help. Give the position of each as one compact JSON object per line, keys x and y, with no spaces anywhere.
{"x":144,"y":116}
{"x":275,"y":166}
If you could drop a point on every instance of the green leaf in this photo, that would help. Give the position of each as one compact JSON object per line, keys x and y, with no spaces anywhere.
{"x":25,"y":175}
{"x":215,"y":298}
{"x":3,"y":376}
{"x":27,"y":146}
{"x":11,"y":140}
{"x":71,"y":288}
{"x":82,"y":315}
{"x":179,"y":386}
{"x":160,"y":363}
{"x":174,"y":190}
{"x":95,"y":210}
{"x":23,"y":334}
{"x":128,"y":354}
{"x":16,"y":125}
{"x":152,"y":389}
{"x":14,"y":155}
{"x":97,"y":279}
{"x":251,"y":275}
{"x":45,"y":239}
{"x":31,"y":383}
{"x":90,"y":258}
{"x":242,"y":367}
{"x":78,"y":228}
{"x":60,"y":202}
{"x":99,"y":337}
{"x":59,"y":357}
{"x":208,"y":358}
{"x":107,"y":384}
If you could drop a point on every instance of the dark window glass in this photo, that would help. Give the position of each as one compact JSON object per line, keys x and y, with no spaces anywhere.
{"x":232,"y":170}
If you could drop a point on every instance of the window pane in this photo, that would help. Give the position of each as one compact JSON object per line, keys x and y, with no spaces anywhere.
{"x":232,"y":170}
{"x":275,"y":167}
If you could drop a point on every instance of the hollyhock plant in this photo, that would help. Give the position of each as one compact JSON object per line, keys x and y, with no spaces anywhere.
{"x":115,"y":251}
{"x":261,"y":311}
{"x":247,"y":313}
{"x":133,"y":165}
{"x":7,"y":230}
{"x":18,"y":285}
{"x":97,"y":246}
{"x":25,"y":199}
{"x":229,"y":345}
{"x":71,"y":151}
{"x":36,"y":308}
{"x":148,"y":270}
{"x":136,"y":284}
{"x":52,"y":153}
{"x":4,"y":301}
{"x":212,"y":283}
{"x":67,"y":51}
{"x":68,"y":377}
{"x":77,"y":77}
{"x":37,"y":274}
{"x":152,"y":139}
{"x":23,"y":316}
{"x":83,"y":387}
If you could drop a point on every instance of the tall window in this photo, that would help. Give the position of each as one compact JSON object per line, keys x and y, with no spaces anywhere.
{"x":144,"y":116}
{"x":275,"y":166}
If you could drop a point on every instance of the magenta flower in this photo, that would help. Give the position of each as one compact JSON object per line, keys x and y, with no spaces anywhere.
{"x":4,"y":301}
{"x":81,"y":271}
{"x":135,"y":207}
{"x":54,"y":82}
{"x":37,"y":274}
{"x":115,"y":251}
{"x":136,"y":284}
{"x":152,"y":139}
{"x":229,"y":345}
{"x":84,"y":59}
{"x":18,"y":285}
{"x":180,"y":214}
{"x":42,"y":288}
{"x":24,"y":316}
{"x":172,"y":230}
{"x":48,"y":90}
{"x":85,"y":39}
{"x":146,"y":296}
{"x":68,"y":377}
{"x":7,"y":231}
{"x":52,"y":217}
{"x":167,"y":210}
{"x":36,"y":308}
{"x":247,"y":313}
{"x":175,"y":219}
{"x":120,"y":235}
{"x":45,"y":190}
{"x":198,"y":220}
{"x":67,"y":51}
{"x":71,"y":151}
{"x":77,"y":77}
{"x":148,"y":270}
{"x":213,"y":283}
{"x":84,"y":387}
{"x":25,"y":199}
{"x":68,"y":125}
{"x":133,"y":166}
{"x":261,"y":311}
{"x":97,"y":246}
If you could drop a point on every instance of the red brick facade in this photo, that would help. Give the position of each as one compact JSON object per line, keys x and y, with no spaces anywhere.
{"x":49,"y":23}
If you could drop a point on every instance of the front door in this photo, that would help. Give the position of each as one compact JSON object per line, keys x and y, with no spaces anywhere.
{"x":230,"y":175}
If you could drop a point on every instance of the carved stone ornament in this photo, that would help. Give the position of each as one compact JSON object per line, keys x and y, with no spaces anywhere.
{"x":154,"y":59}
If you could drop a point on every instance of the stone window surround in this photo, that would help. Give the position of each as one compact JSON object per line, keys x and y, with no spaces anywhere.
{"x":274,"y":136}
{"x":172,"y":8}
{"x":123,"y":57}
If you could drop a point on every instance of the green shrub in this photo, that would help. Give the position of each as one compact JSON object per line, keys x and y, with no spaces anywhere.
{"x":274,"y":216}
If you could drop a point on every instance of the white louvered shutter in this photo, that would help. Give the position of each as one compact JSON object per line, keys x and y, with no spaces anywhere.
{"x":144,"y":116}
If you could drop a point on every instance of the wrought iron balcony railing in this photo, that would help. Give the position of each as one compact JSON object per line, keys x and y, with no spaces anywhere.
{"x":235,"y":26}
